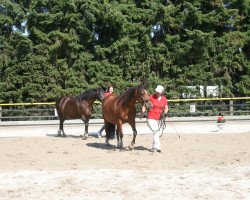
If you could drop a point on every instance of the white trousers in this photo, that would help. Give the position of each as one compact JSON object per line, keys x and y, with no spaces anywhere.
{"x":220,"y":125}
{"x":155,"y":126}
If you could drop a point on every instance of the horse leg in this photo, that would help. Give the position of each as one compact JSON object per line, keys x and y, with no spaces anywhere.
{"x":107,"y":132}
{"x":59,"y":132}
{"x":120,"y":136}
{"x":61,"y":128}
{"x":86,"y":122}
{"x":117,"y":137}
{"x":107,"y":142}
{"x":132,"y":145}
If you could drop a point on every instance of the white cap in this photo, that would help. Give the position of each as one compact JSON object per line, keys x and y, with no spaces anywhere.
{"x":159,"y":89}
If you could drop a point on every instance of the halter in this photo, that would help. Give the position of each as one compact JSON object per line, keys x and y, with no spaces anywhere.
{"x":145,"y":101}
{"x":100,"y":94}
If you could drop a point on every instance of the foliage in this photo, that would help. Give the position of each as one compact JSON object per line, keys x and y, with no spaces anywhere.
{"x":50,"y":48}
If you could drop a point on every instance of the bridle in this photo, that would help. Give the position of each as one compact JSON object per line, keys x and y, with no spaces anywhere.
{"x":145,"y":100}
{"x":100,"y":94}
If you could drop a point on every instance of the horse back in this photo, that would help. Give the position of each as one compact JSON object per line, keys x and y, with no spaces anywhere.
{"x":113,"y":111}
{"x":72,"y":108}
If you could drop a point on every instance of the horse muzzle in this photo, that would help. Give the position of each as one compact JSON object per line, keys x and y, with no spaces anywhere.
{"x":148,"y":104}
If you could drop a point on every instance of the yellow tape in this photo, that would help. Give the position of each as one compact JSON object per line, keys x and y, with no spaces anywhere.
{"x":31,"y":104}
{"x":98,"y":102}
{"x":26,"y":104}
{"x":209,"y":99}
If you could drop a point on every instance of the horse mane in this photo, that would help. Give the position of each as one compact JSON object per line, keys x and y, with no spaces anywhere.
{"x":87,"y":95}
{"x":125,"y":97}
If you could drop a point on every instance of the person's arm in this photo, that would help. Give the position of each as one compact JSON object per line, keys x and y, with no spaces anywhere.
{"x":143,"y":110}
{"x":166,"y":109}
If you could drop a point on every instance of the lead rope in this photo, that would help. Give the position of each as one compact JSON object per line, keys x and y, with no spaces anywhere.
{"x":163,"y":124}
{"x":174,"y":128}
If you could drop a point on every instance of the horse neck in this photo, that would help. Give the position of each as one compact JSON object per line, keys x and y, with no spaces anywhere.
{"x":129,"y":103}
{"x":132,"y":102}
{"x":90,"y":101}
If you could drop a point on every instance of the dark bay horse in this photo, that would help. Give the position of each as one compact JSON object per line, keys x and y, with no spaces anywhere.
{"x":79,"y":107}
{"x":118,"y":110}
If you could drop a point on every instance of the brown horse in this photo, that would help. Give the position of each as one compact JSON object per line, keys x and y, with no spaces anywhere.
{"x":79,"y":107}
{"x":118,"y":110}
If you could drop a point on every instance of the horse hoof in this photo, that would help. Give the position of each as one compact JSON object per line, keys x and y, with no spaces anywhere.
{"x":84,"y":137}
{"x":122,"y":150}
{"x":128,"y":148}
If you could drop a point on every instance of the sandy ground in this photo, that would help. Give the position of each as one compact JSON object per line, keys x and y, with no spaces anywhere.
{"x":211,"y":165}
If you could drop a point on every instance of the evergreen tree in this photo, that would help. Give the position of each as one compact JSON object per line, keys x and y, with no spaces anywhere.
{"x":50,"y":48}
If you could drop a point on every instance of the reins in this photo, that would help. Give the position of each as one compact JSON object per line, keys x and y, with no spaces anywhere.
{"x":162,"y":124}
{"x":171,"y":125}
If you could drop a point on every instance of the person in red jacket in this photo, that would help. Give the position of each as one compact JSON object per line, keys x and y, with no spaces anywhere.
{"x":221,"y":122}
{"x":221,"y":119}
{"x":160,"y":108}
{"x":109,"y":91}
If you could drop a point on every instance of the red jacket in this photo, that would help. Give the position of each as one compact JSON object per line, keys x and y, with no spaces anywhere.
{"x":158,"y":107}
{"x":221,"y":119}
{"x":107,"y":94}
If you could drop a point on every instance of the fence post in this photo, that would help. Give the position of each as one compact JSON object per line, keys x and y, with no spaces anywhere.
{"x":56,"y":114}
{"x":192,"y":108}
{"x":231,"y":108}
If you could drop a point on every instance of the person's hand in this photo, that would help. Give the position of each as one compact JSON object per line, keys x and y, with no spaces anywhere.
{"x":142,"y":115}
{"x":163,"y":115}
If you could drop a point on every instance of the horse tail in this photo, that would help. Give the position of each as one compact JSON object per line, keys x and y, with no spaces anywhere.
{"x":57,"y":106}
{"x":110,"y":130}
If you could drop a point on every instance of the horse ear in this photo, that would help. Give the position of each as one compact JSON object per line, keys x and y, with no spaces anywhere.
{"x":104,"y":88}
{"x":144,"y":83}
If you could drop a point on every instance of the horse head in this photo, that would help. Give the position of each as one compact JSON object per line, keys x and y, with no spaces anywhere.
{"x":143,"y":97}
{"x":100,"y":93}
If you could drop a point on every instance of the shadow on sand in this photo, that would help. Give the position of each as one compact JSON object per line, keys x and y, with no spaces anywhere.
{"x":91,"y":134}
{"x":67,"y":136}
{"x":99,"y":145}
